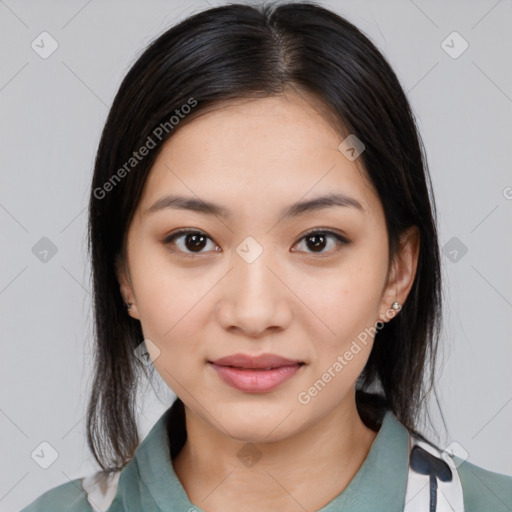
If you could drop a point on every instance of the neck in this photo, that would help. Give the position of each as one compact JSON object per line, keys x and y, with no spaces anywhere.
{"x":221,"y":473}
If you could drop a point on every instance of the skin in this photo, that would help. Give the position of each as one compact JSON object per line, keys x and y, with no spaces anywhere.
{"x":257,"y":157}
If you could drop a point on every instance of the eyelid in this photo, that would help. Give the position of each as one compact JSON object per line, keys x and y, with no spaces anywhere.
{"x":340,"y":238}
{"x":183,"y":231}
{"x":168,"y":239}
{"x":329,"y":231}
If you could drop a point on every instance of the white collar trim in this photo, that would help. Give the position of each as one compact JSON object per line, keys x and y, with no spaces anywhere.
{"x":101,"y":489}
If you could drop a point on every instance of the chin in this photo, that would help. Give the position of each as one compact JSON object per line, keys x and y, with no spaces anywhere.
{"x":253,"y":425}
{"x":260,"y":434}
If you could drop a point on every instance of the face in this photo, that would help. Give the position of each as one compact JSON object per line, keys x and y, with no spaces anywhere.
{"x":247,"y":278}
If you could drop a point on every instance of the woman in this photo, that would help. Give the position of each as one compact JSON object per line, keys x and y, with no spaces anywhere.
{"x":263,"y":234}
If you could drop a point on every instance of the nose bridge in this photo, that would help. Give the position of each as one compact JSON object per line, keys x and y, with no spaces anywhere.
{"x":252,"y":272}
{"x":253,"y":297}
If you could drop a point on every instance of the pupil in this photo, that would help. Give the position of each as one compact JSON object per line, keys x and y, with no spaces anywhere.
{"x":194,"y":238}
{"x":317,"y":245}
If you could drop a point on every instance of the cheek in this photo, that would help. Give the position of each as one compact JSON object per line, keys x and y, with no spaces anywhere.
{"x":174,"y":323}
{"x":346,"y":299}
{"x":345,"y":303}
{"x":171,"y":313}
{"x":168,"y":298}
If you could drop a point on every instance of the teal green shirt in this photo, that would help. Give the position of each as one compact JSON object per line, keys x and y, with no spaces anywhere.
{"x":148,"y":482}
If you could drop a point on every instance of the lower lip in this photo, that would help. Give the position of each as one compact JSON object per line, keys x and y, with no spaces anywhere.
{"x":255,"y":381}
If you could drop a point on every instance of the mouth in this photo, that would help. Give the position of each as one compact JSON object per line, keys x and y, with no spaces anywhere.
{"x":251,"y":379}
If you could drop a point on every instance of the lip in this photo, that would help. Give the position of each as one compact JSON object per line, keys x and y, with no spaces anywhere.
{"x":255,"y":362}
{"x":252,"y":373}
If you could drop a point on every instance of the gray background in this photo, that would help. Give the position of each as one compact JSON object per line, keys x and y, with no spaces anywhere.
{"x":52,"y":111}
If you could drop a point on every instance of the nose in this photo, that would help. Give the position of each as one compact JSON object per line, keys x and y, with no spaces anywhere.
{"x":254,"y":298}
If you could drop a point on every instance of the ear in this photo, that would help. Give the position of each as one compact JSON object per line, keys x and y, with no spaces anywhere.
{"x":125,"y":286}
{"x":401,"y":274}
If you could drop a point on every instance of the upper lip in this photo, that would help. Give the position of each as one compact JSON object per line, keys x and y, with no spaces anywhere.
{"x":261,"y":361}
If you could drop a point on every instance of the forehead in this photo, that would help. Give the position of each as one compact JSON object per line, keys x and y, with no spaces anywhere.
{"x":257,"y":152}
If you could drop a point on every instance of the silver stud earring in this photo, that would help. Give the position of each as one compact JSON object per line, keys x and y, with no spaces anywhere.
{"x":128,"y":305}
{"x":396,"y":305}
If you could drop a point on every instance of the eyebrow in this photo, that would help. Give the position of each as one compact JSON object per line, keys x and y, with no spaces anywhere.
{"x":209,"y":208}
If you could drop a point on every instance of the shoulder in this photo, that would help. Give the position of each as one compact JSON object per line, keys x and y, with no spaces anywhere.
{"x":67,"y":497}
{"x":87,"y":494}
{"x":483,"y":489}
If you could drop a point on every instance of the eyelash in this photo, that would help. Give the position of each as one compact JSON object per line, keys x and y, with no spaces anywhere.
{"x":341,"y":240}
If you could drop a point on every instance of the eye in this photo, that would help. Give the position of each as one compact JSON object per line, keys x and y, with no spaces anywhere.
{"x":317,"y":240}
{"x":193,"y":240}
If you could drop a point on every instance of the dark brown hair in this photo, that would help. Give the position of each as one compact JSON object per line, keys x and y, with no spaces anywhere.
{"x":241,"y":51}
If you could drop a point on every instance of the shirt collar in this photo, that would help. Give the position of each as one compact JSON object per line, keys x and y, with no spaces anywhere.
{"x":379,"y":484}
